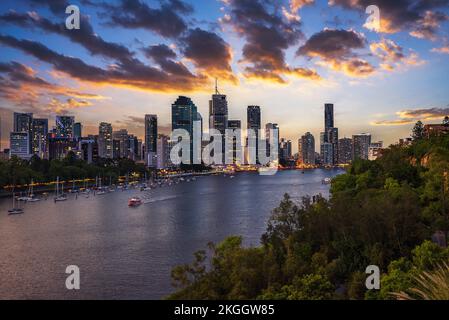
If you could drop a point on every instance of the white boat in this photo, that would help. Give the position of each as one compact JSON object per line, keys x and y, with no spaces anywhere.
{"x":59,"y":196}
{"x":15,"y":210}
{"x":30,"y":197}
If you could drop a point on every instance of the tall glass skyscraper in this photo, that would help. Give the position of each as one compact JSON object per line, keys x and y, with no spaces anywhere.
{"x":184,"y":115}
{"x":253,"y":123}
{"x":77,"y":130}
{"x":64,"y":126}
{"x":328,"y":116}
{"x":151,"y":140}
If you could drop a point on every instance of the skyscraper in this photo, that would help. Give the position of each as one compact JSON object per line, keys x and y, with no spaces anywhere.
{"x":23,"y":122}
{"x":151,"y":140}
{"x":332,"y":138}
{"x":218,"y":112}
{"x":184,"y":115}
{"x":253,"y":123}
{"x":307,"y":149}
{"x":234,"y":125}
{"x":105,"y":141}
{"x":345,"y":151}
{"x":19,"y":145}
{"x":64,"y":126}
{"x":123,"y":139}
{"x":77,"y":130}
{"x":40,"y":138}
{"x":330,"y":135}
{"x":328,"y":116}
{"x":327,"y":154}
{"x":360,"y":146}
{"x":163,"y":151}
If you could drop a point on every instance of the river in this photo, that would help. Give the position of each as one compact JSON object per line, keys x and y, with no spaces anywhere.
{"x":128,"y":253}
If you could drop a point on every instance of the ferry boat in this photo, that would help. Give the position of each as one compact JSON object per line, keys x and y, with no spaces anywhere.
{"x":134,"y":202}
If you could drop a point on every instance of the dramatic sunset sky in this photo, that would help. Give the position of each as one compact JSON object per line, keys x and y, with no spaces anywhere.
{"x":134,"y":57}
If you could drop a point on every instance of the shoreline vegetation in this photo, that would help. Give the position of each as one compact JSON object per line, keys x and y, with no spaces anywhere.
{"x":392,"y":213}
{"x":18,"y":175}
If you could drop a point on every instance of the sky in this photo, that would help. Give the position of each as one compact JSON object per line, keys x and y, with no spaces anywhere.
{"x":134,"y":57}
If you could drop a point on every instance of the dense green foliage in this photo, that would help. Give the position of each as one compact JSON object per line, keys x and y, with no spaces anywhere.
{"x":20,"y":172}
{"x":381,"y":212}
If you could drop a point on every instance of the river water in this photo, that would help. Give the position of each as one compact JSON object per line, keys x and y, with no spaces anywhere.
{"x":128,"y":253}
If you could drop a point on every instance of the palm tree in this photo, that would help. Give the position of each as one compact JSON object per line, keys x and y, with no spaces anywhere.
{"x":430,"y":285}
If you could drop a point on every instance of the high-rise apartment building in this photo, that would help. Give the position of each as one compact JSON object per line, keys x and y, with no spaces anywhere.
{"x":105,"y":143}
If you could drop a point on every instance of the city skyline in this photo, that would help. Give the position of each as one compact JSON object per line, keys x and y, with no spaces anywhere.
{"x":380,"y":82}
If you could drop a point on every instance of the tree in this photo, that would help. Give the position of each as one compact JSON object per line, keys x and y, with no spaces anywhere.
{"x":418,"y":131}
{"x":446,"y":121}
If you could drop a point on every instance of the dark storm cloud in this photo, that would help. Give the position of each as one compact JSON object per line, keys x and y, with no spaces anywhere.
{"x":128,"y":72}
{"x":56,"y":6}
{"x":165,"y":20}
{"x":85,"y":36}
{"x":333,"y":44}
{"x":208,"y":52}
{"x":163,"y":56}
{"x":267,"y":33}
{"x":418,"y":16}
{"x":338,"y":50}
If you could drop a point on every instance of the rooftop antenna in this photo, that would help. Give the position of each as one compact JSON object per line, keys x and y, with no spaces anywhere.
{"x":216,"y":86}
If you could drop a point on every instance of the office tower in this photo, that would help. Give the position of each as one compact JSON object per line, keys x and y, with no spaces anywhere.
{"x":375,"y":150}
{"x":116,"y":151}
{"x":59,"y":147}
{"x":307,"y":149}
{"x":64,"y":126}
{"x":330,"y":135}
{"x":332,"y":138}
{"x":163,"y":151}
{"x":360,"y":146}
{"x":269,"y":127}
{"x":123,"y":138}
{"x":151,"y":140}
{"x":285,"y":150}
{"x":133,"y":147}
{"x":77,"y":130}
{"x":139,"y":149}
{"x":328,"y":116}
{"x":19,"y":145}
{"x":300,"y":155}
{"x":254,"y":124}
{"x":88,"y":150}
{"x":345,"y":151}
{"x":218,"y":111}
{"x":23,"y":122}
{"x":184,"y":116}
{"x":327,"y":154}
{"x":105,"y":141}
{"x":234,"y":125}
{"x":39,"y":138}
